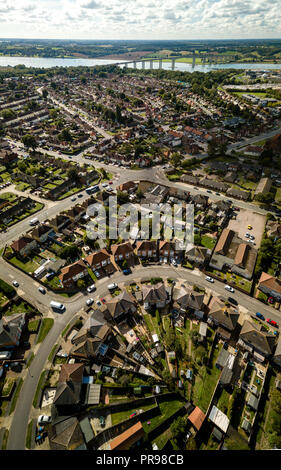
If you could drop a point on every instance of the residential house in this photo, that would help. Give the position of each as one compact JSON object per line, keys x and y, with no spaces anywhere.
{"x":238,"y":194}
{"x":270,"y":285}
{"x":71,"y":273}
{"x":123,"y":251}
{"x":11,"y":328}
{"x":198,"y":255}
{"x":225,"y":318}
{"x":24,"y":245}
{"x":100,"y":260}
{"x":232,"y":253}
{"x":129,"y":439}
{"x":264,"y":186}
{"x":75,"y":213}
{"x":41,"y":233}
{"x":154,"y":295}
{"x":58,"y":222}
{"x":120,"y":307}
{"x":185,"y":298}
{"x":65,"y":434}
{"x":166,"y":249}
{"x":68,"y":391}
{"x":146,"y":249}
{"x":256,"y":340}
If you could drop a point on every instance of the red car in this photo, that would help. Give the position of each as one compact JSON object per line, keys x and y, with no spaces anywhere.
{"x":103,"y":300}
{"x":110,"y":182}
{"x":270,"y":300}
{"x":271,"y":322}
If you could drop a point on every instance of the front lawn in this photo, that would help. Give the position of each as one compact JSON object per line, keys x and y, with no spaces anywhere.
{"x":46,"y":325}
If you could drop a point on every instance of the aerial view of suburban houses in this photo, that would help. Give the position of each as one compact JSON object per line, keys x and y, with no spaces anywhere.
{"x":136,"y":341}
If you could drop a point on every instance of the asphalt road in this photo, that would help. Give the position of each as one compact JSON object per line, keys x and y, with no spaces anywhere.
{"x":17,"y":434}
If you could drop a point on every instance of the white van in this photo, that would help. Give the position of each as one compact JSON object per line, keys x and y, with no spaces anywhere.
{"x":57,"y":305}
{"x":34,"y":221}
{"x":5,"y":354}
{"x":112,"y":286}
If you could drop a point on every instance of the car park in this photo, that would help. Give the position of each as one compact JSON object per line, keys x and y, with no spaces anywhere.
{"x":209,"y":279}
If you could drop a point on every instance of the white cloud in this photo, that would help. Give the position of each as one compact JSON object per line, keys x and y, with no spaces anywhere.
{"x":141,"y":19}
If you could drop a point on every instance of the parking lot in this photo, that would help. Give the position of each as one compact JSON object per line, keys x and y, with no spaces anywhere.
{"x":245,"y":218}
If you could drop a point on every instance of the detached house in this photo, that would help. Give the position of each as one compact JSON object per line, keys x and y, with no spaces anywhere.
{"x":120,"y":307}
{"x":186,"y":298}
{"x":155,"y":296}
{"x":68,"y":392}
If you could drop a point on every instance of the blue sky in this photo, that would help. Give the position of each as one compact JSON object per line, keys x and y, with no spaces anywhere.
{"x":140,"y":19}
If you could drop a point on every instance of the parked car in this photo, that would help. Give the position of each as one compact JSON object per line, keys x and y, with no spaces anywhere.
{"x":42,"y":290}
{"x":272,"y":322}
{"x":112,"y":286}
{"x":91,"y":288}
{"x":229,"y":288}
{"x":15,"y":283}
{"x":103,"y":300}
{"x":250,"y":227}
{"x":174,"y":263}
{"x":89,"y":301}
{"x":44,"y":419}
{"x":98,"y":302}
{"x":232,"y":301}
{"x":209,"y":278}
{"x":73,"y":198}
{"x":127,"y":271}
{"x":270,"y":300}
{"x":97,"y":274}
{"x":259,"y":315}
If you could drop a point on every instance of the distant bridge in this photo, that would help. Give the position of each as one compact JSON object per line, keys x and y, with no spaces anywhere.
{"x":210,"y":58}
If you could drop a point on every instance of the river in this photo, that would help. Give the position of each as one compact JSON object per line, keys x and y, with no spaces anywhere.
{"x":47,"y":62}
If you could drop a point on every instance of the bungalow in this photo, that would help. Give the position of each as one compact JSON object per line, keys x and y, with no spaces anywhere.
{"x":270,"y":285}
{"x":24,"y":245}
{"x":70,"y":274}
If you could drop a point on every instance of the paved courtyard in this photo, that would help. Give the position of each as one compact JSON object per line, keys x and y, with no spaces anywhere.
{"x":245,"y":218}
